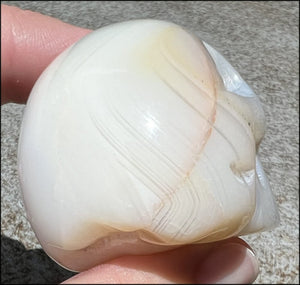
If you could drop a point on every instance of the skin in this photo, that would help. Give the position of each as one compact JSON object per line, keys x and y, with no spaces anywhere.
{"x":30,"y":41}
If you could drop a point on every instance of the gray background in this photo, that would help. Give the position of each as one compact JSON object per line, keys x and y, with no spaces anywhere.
{"x":261,"y":41}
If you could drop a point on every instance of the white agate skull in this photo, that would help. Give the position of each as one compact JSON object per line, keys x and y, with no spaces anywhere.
{"x":137,"y":139}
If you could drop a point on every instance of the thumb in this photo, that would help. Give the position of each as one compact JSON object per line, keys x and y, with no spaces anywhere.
{"x":229,"y":261}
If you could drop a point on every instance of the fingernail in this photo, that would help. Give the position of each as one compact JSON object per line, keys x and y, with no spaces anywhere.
{"x":228,"y":263}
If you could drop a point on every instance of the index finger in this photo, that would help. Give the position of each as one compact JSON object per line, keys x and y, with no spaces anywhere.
{"x":30,"y":41}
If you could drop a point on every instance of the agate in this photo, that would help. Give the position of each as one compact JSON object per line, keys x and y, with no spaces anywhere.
{"x":137,"y":139}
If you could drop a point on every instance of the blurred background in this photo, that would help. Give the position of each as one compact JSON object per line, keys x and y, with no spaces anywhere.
{"x":261,"y":40}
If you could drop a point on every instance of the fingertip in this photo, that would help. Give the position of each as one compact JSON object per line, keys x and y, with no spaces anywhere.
{"x":229,"y":263}
{"x":30,"y":41}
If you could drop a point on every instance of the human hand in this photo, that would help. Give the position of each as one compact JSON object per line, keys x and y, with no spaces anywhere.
{"x":30,"y":41}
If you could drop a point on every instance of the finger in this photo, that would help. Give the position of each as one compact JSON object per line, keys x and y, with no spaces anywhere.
{"x":229,"y":261}
{"x":30,"y":41}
